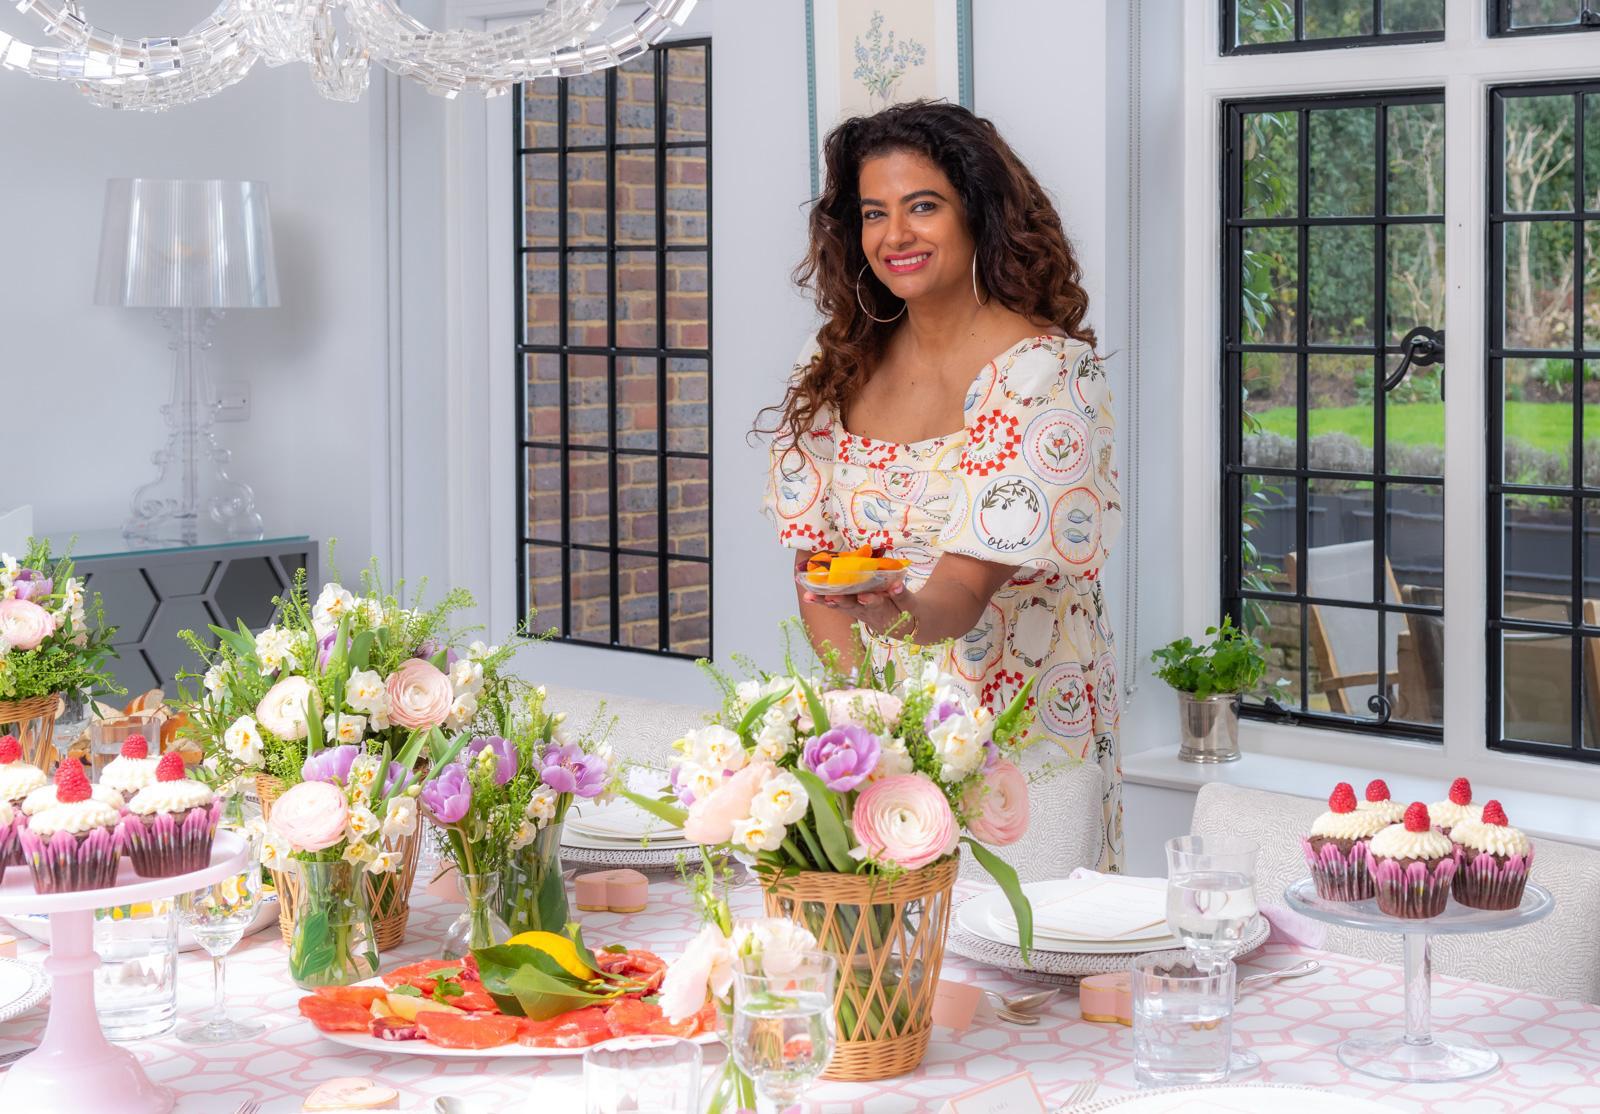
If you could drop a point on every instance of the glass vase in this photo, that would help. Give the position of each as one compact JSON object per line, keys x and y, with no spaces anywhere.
{"x":333,"y":943}
{"x":533,"y":896}
{"x":733,"y":1091}
{"x":479,"y":925}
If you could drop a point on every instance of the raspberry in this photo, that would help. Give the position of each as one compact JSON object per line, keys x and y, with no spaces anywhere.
{"x":1377,"y":790}
{"x":71,"y":784}
{"x":170,"y":768}
{"x":136,"y":746}
{"x":1343,"y":798}
{"x":10,"y":749}
{"x":1494,"y":814}
{"x":1461,"y":791}
{"x":1417,"y":817}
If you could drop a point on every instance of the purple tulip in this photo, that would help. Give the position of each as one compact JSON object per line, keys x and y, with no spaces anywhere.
{"x":430,"y":647}
{"x":331,"y":765}
{"x":941,"y":712}
{"x":325,"y":649}
{"x":30,"y":584}
{"x":505,"y":756}
{"x":448,"y":796}
{"x":566,"y":769}
{"x":685,"y":798}
{"x":842,"y":757}
{"x":397,"y":776}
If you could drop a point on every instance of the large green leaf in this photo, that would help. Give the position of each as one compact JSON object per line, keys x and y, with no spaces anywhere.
{"x":672,"y":814}
{"x":527,"y":982}
{"x":819,"y":714}
{"x":757,"y":711}
{"x":360,"y":650}
{"x":1002,"y":872}
{"x":830,"y":828}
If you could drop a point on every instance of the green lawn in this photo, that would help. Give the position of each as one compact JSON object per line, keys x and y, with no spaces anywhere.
{"x":1543,"y":425}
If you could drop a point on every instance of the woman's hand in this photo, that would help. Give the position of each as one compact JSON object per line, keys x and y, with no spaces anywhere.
{"x":886,"y":614}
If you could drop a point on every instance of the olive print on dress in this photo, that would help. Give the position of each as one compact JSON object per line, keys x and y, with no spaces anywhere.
{"x":1029,"y":482}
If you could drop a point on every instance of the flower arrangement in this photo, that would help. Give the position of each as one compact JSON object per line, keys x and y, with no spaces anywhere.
{"x":47,"y":643}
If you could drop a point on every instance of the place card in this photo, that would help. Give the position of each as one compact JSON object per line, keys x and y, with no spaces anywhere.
{"x":955,"y":1004}
{"x":1015,"y":1094}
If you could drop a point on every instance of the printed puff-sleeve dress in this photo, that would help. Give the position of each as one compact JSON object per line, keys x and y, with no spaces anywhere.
{"x":1029,"y":481}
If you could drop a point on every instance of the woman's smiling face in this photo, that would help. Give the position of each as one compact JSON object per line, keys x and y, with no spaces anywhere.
{"x":913,"y":226}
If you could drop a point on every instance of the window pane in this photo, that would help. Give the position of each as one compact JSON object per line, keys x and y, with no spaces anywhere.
{"x":639,"y":601}
{"x":1416,"y":159}
{"x":1591,"y":285}
{"x":587,"y":307}
{"x":589,"y":498}
{"x":1339,"y":412}
{"x":1537,"y":558}
{"x":1591,"y":564}
{"x":1340,"y":285}
{"x":1344,"y":659}
{"x":1400,"y":16}
{"x":1277,"y":625}
{"x":1544,"y":13}
{"x":686,"y":94}
{"x":688,"y":507}
{"x":1539,"y":148}
{"x":588,"y":399}
{"x":539,"y":113}
{"x":637,"y":319}
{"x":636,"y":100}
{"x":544,"y":494}
{"x":1270,"y":265}
{"x":542,"y":372}
{"x":686,"y":195}
{"x":1591,"y":152}
{"x":688,"y":299}
{"x":1264,"y":21}
{"x":638,"y":503}
{"x":1414,"y":422}
{"x":591,"y":596}
{"x":1343,"y":161}
{"x":1415,"y":546}
{"x":1538,"y":421}
{"x":1339,"y":549}
{"x":544,"y":587}
{"x":586,"y":109}
{"x":636,"y":197}
{"x":1536,"y":671}
{"x":1331,"y":19}
{"x":1271,"y":158}
{"x":541,"y":296}
{"x":1415,"y":290}
{"x":1266,"y":533}
{"x":587,"y":191}
{"x":688,"y":405}
{"x":689,"y":603}
{"x":541,"y":200}
{"x":1270,"y":423}
{"x":1538,"y":284}
{"x":636,"y":402}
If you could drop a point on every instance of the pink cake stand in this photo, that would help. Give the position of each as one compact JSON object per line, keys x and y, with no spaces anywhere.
{"x":75,"y":1068}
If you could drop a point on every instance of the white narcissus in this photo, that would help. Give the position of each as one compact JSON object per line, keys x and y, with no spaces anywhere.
{"x":893,"y":760}
{"x":275,"y":651}
{"x":780,"y":802}
{"x":348,"y":728}
{"x":958,"y":744}
{"x":462,"y":710}
{"x":332,"y":605}
{"x":466,"y":676}
{"x":242,"y":740}
{"x":755,"y":834}
{"x":364,"y":691}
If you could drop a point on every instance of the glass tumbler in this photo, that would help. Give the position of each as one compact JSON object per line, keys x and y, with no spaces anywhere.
{"x":635,"y":1075}
{"x":1182,"y":1020}
{"x":136,"y":984}
{"x":106,"y":739}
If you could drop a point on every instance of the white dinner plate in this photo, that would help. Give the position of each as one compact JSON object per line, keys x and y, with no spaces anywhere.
{"x":979,"y":917}
{"x":589,"y":843}
{"x":22,"y":986}
{"x":1261,"y":1098}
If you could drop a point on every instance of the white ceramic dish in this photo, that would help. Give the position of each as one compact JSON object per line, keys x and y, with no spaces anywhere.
{"x":22,"y":986}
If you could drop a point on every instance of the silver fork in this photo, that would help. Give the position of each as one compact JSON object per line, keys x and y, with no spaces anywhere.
{"x":249,"y":1106}
{"x":1079,"y":1095}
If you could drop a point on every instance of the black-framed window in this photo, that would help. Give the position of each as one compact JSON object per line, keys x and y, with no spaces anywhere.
{"x":1542,"y":17}
{"x":1544,"y":420}
{"x":613,"y":208}
{"x":1333,"y":485}
{"x":1269,"y":26}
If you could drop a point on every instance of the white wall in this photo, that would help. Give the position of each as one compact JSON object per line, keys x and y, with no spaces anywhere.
{"x":97,"y":374}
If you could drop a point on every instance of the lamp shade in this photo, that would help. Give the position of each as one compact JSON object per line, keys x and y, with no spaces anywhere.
{"x":169,"y":244}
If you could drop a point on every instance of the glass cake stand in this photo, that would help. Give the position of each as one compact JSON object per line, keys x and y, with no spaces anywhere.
{"x":75,"y":1068}
{"x":1416,"y":1054}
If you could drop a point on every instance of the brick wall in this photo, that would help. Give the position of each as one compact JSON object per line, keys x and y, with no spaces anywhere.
{"x":614,"y":218}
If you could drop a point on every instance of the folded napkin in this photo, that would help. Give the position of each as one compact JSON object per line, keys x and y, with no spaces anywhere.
{"x":1289,"y":927}
{"x":1107,"y":907}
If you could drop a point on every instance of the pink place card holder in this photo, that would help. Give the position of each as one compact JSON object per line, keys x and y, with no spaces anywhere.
{"x":955,"y":1004}
{"x":1014,"y":1094}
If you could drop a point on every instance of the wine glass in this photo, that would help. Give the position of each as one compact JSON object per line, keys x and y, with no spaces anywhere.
{"x":217,"y":917}
{"x":783,"y":1026}
{"x":1211,"y":900}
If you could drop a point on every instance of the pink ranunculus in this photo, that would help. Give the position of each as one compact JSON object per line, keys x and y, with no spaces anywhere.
{"x":846,"y":707}
{"x":905,"y":820}
{"x":420,"y":696}
{"x":24,"y":624}
{"x":311,"y":816}
{"x":711,"y":817}
{"x":998,"y":805}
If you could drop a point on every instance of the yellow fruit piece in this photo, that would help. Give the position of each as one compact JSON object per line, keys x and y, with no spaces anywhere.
{"x":558,"y":948}
{"x":406,"y":1007}
{"x":850,"y":570}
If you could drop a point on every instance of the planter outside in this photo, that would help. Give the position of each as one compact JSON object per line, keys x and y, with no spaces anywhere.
{"x":1210,"y":728}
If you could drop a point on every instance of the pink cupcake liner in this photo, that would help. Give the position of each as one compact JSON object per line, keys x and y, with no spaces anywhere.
{"x":1415,"y":891}
{"x":67,"y":862}
{"x":168,"y":843}
{"x":1340,"y":876}
{"x":10,"y":849}
{"x":1483,"y":882}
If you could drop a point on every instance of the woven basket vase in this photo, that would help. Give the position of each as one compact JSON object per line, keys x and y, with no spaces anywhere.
{"x":388,"y":895}
{"x":889,"y":940}
{"x":33,"y":722}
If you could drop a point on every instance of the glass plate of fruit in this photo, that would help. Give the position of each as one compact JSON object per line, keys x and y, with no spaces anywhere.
{"x":851,"y":572}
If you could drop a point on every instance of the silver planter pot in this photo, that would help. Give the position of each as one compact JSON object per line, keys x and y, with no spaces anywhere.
{"x":1210,"y":728}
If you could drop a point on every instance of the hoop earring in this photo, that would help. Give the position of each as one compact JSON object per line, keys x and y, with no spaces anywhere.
{"x":975,"y":298}
{"x":863,"y":305}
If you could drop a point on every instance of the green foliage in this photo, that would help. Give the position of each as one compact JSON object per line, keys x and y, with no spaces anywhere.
{"x":1232,"y":662}
{"x":71,"y":660}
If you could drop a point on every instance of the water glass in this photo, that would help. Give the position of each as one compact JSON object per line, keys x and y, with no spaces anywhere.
{"x":217,"y":917}
{"x":642,"y":1075}
{"x":1182,"y":1020}
{"x":106,"y":738}
{"x":136,"y":984}
{"x":783,"y":1026}
{"x":1211,"y":892}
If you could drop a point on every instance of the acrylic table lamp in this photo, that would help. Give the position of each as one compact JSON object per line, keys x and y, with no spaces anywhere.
{"x":189,"y":249}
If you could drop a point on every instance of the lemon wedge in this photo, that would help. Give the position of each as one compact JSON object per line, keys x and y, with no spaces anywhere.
{"x":558,"y":948}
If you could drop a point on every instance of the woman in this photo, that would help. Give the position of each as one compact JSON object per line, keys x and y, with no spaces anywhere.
{"x":952,"y":411}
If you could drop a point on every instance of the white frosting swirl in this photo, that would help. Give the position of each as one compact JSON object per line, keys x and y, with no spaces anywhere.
{"x":45,"y":796}
{"x":129,"y":775}
{"x":1348,"y":825}
{"x":1391,"y":810}
{"x":18,"y":779}
{"x":170,"y":796}
{"x":7,"y":813}
{"x":1447,"y":814}
{"x":76,"y":817}
{"x":1396,"y":842}
{"x":1497,"y":839}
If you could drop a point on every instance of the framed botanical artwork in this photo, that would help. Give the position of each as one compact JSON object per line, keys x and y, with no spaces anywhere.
{"x":864,"y":55}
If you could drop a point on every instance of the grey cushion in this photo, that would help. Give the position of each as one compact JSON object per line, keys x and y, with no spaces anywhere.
{"x":1064,"y":828}
{"x":1558,"y":956}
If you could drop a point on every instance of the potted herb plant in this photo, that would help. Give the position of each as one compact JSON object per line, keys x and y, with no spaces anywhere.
{"x":1209,"y":678}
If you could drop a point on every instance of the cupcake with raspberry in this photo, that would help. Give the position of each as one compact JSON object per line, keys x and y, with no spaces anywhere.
{"x":1457,"y":807}
{"x":1336,"y":849}
{"x":45,"y":796}
{"x":1495,"y":860}
{"x":74,"y":844}
{"x":1413,"y":866}
{"x":169,"y":825}
{"x":17,"y":778}
{"x":1378,"y":801}
{"x":132,"y":769}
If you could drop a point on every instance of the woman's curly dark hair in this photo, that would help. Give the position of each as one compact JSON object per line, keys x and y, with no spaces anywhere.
{"x":1023,"y":256}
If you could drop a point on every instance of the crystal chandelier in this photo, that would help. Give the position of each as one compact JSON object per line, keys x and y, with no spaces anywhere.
{"x":338,"y":39}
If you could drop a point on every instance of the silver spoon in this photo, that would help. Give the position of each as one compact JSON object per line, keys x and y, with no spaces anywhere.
{"x":1016,"y":1018}
{"x":1025,"y":1003}
{"x":1293,"y":971}
{"x":445,"y":1104}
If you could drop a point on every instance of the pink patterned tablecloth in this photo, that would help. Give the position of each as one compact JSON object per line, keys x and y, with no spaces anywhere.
{"x":1551,"y":1049}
